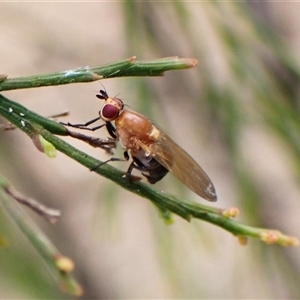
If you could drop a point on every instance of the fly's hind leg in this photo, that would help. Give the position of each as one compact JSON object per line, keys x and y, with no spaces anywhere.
{"x":129,"y":177}
{"x":135,"y":164}
{"x":126,"y":158}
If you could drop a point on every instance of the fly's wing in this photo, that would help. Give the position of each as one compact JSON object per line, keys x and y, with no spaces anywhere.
{"x":182,"y":165}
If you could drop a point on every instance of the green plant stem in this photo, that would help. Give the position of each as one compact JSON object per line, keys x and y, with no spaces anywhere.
{"x":187,"y":210}
{"x":128,"y":67}
{"x":43,"y":245}
{"x":26,"y":119}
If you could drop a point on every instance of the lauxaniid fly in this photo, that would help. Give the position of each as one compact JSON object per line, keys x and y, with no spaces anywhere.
{"x":153,"y":152}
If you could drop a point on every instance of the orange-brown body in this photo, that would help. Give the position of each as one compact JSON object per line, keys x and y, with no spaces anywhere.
{"x":133,"y":129}
{"x":153,"y":151}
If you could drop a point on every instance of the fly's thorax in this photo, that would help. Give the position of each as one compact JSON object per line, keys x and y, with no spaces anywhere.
{"x":134,"y":123}
{"x":134,"y":129}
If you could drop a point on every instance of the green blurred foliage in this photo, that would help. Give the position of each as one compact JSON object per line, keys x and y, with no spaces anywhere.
{"x":247,"y":80}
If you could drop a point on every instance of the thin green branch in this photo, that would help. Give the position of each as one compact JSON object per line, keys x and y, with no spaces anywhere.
{"x":28,"y":121}
{"x":128,"y":67}
{"x":187,"y":210}
{"x":60,"y":265}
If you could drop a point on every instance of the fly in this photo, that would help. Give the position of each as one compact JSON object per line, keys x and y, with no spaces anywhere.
{"x":153,"y":152}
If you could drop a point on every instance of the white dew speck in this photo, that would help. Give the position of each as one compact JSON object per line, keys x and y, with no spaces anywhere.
{"x":70,"y":73}
{"x":23,"y":123}
{"x":22,"y":115}
{"x":10,"y":110}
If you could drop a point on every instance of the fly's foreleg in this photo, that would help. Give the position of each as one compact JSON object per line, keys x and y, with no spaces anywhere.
{"x":85,"y":125}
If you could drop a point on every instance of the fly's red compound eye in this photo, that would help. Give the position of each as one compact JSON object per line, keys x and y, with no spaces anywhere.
{"x":109,"y":112}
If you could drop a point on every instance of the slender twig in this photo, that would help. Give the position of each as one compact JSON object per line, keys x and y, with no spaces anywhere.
{"x":128,"y":67}
{"x":48,"y":213}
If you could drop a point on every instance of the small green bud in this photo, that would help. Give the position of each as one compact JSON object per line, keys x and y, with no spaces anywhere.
{"x":49,"y":149}
{"x":44,"y":146}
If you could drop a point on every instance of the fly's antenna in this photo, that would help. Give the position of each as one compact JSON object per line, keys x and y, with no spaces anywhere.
{"x":103,"y":94}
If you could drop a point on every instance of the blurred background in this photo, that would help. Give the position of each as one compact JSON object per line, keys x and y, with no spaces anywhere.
{"x":236,"y":113}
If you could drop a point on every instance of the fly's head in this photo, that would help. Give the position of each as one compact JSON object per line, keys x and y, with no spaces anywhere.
{"x":111,"y":108}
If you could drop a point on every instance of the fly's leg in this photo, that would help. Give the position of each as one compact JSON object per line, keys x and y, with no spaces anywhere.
{"x":107,"y":161}
{"x":109,"y":127}
{"x":129,"y":177}
{"x":135,"y":164}
{"x":126,"y":158}
{"x":107,"y":144}
{"x":112,"y":131}
{"x":85,"y":125}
